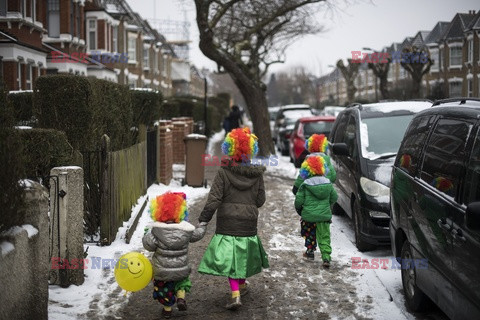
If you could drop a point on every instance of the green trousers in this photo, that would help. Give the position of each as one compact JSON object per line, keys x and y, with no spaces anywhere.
{"x":323,"y":240}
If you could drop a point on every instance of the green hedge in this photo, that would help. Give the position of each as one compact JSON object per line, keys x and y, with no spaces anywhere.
{"x":22,"y":104}
{"x":85,"y":109}
{"x":47,"y":148}
{"x":11,"y":167}
{"x":146,"y":107}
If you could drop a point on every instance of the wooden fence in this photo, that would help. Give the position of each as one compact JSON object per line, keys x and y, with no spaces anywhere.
{"x":124,"y":181}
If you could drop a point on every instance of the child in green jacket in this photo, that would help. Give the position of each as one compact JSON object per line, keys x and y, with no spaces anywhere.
{"x":313,"y":203}
{"x":316,"y":145}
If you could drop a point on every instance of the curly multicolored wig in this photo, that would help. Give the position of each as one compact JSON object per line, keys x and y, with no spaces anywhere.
{"x":313,"y":166}
{"x":169,"y":207}
{"x":317,"y":143}
{"x":239,"y":144}
{"x":443,"y":184}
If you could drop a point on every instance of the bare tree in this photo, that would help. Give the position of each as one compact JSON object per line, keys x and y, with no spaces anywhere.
{"x":245,"y":37}
{"x":417,"y":62}
{"x":350,"y":74}
{"x":380,"y":70}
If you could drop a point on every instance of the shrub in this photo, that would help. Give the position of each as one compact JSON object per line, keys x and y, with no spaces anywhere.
{"x":146,"y":106}
{"x":85,"y":109}
{"x":47,"y":148}
{"x":11,"y":167}
{"x":22,"y":105}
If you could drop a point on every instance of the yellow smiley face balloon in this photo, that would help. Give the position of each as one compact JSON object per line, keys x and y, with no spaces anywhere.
{"x":133,"y":271}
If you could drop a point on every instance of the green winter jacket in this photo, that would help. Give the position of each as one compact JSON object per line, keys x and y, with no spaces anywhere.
{"x":314,"y":198}
{"x":331,"y":175}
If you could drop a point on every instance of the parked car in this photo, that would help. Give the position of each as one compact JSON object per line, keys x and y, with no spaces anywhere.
{"x":364,"y":142}
{"x":285,"y":121}
{"x":303,"y":129}
{"x":272,"y":112}
{"x":331,"y":110}
{"x":435,"y":201}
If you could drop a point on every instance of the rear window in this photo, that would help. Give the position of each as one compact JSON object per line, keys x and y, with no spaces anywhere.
{"x":310,"y":128}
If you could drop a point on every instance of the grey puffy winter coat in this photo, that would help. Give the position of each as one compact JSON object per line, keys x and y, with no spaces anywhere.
{"x":236,"y":194}
{"x":170,"y":242}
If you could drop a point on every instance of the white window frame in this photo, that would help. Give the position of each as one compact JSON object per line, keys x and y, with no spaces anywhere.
{"x":454,"y":82}
{"x":92,"y":29}
{"x":23,"y":8}
{"x":155,"y":60}
{"x":115,"y":39}
{"x":132,"y":47}
{"x":458,"y":48}
{"x":146,"y":57}
{"x":19,"y":75}
{"x":470,"y":87}
{"x":4,"y":4}
{"x":435,"y":56}
{"x":33,"y":10}
{"x":470,"y":50}
{"x":28,"y":77}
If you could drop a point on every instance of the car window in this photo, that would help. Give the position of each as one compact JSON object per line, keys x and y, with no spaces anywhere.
{"x":350,"y":136}
{"x":383,"y":135}
{"x":409,"y":155}
{"x":317,"y":127}
{"x":472,"y":176}
{"x":444,"y":158}
{"x":340,"y":130}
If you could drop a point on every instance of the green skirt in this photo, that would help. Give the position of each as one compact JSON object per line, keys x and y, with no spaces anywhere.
{"x":234,"y":257}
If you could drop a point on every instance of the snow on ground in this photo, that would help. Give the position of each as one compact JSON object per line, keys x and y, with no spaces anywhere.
{"x":376,"y":287}
{"x":100,"y":290}
{"x":281,"y":166}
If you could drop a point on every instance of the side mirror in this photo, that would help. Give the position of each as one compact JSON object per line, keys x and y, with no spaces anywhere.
{"x":340,"y":149}
{"x":472,"y":216}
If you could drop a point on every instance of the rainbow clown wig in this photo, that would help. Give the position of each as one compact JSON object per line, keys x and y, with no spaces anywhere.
{"x":240,"y":144}
{"x":313,"y":166}
{"x":316,"y":143}
{"x":169,"y":207}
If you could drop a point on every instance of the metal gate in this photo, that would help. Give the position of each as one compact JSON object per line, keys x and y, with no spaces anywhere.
{"x":151,"y":157}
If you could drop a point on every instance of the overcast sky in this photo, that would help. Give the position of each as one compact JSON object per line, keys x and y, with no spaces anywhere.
{"x":354,"y":24}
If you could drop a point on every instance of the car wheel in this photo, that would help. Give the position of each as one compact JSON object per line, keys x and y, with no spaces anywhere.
{"x":359,"y":242}
{"x":415,"y":298}
{"x":337,"y":210}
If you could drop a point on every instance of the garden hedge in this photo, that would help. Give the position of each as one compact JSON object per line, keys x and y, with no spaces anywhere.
{"x":146,"y":107}
{"x":11,"y":167}
{"x":22,"y":105}
{"x":47,"y":148}
{"x":85,"y":109}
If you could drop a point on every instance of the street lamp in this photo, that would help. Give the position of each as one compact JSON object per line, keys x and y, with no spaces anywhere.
{"x":376,"y":93}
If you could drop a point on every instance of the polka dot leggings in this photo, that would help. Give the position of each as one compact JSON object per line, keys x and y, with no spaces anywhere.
{"x":308,"y":232}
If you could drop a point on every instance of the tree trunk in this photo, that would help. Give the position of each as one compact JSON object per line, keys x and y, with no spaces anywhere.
{"x":258,"y":109}
{"x":384,"y":87}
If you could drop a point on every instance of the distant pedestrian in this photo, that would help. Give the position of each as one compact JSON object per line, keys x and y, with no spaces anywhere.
{"x":317,"y":144}
{"x":169,"y":239}
{"x":234,"y":119}
{"x":313,"y":203}
{"x":235,"y":251}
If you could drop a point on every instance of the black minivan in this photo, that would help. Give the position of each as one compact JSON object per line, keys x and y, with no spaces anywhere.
{"x":435,"y":208}
{"x":364,"y":142}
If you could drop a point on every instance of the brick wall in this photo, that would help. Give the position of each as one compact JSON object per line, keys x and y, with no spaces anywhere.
{"x":188,"y":122}
{"x":164,"y":155}
{"x":10,"y":74}
{"x":179,"y":131}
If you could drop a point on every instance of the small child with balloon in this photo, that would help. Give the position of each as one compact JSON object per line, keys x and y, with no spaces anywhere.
{"x":169,"y":238}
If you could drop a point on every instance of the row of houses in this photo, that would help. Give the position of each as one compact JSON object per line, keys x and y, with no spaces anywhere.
{"x":453,"y":47}
{"x":101,"y":38}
